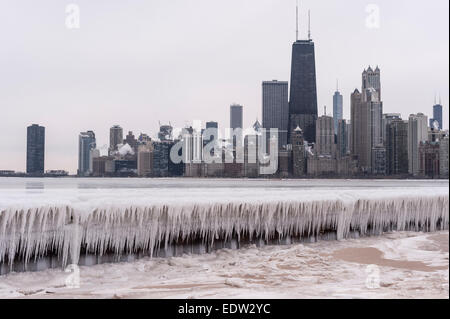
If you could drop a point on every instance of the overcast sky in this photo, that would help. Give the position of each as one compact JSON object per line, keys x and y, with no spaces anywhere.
{"x":135,"y":63}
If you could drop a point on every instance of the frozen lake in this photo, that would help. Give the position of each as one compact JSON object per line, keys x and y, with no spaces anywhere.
{"x":88,"y":193}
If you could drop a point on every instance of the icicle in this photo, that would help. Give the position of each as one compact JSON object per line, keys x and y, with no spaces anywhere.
{"x":29,"y":234}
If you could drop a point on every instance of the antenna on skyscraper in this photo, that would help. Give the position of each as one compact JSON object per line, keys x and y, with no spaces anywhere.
{"x":325,"y":110}
{"x":309,"y":24}
{"x":296,"y":21}
{"x":337,"y":85}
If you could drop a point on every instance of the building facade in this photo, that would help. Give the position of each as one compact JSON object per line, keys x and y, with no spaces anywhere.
{"x":115,"y":138}
{"x":86,"y":143}
{"x":35,"y":149}
{"x":417,"y":133}
{"x":236,"y":116}
{"x":275,"y":109}
{"x":303,"y":93}
{"x":338,"y":109}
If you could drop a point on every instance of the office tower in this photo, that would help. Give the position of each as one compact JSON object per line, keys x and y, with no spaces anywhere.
{"x":298,"y":153}
{"x":86,"y":143}
{"x":429,"y":159}
{"x":359,"y":125}
{"x":443,"y":157}
{"x":367,"y":119}
{"x":131,"y":140}
{"x":145,"y":159}
{"x":388,"y":118}
{"x":165,"y":132}
{"x":213,"y":128}
{"x":417,"y":132}
{"x":275,"y":109}
{"x":338,"y":109}
{"x":378,"y":158}
{"x":371,"y":79}
{"x":325,"y":136}
{"x":349,"y":136}
{"x":236,"y":116}
{"x":342,"y":138}
{"x":437,"y":116}
{"x":161,"y":157}
{"x":35,"y":149}
{"x":397,"y":147}
{"x":303,"y":94}
{"x":115,"y":138}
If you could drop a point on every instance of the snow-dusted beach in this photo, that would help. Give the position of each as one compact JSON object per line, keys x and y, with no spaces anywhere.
{"x":69,"y":218}
{"x":411,"y":265}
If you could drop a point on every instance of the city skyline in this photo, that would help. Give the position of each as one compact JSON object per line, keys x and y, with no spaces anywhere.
{"x":61,"y":143}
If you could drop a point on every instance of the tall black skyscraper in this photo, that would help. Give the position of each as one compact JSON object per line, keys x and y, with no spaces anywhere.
{"x":303,"y":95}
{"x":35,"y":149}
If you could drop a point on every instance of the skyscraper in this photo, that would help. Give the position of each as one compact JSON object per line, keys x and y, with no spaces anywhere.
{"x":303,"y":96}
{"x":338,"y":109}
{"x":86,"y":143}
{"x":437,"y":115}
{"x":342,"y":138}
{"x":35,"y":149}
{"x":236,"y":116}
{"x":417,"y":132}
{"x":275,"y":109}
{"x":371,"y":79}
{"x":397,"y":147}
{"x":212,"y":127}
{"x":325,"y":136}
{"x":115,"y":138}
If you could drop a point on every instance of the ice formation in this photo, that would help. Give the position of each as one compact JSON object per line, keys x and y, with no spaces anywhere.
{"x":28,"y":234}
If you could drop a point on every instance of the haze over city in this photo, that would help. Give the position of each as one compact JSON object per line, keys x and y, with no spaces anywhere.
{"x":138,"y":63}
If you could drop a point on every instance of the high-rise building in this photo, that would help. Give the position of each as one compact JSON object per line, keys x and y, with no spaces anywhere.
{"x":212,"y":127}
{"x":165,"y":132}
{"x":303,"y":95}
{"x":367,"y":119}
{"x":378,"y":158}
{"x":371,"y":79}
{"x":115,"y":138}
{"x":236,"y":116}
{"x":275,"y":109}
{"x":35,"y":149}
{"x":338,"y":109}
{"x":429,"y":159}
{"x":131,"y":140}
{"x":388,"y":118}
{"x":417,"y":132}
{"x":437,"y":115}
{"x":298,"y":153}
{"x":342,"y":138}
{"x":359,"y":125}
{"x":145,"y":159}
{"x":325,"y":137}
{"x":443,"y":157}
{"x":86,"y":143}
{"x":397,"y":147}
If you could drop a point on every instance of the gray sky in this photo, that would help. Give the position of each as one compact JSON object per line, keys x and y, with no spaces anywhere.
{"x":136,"y":62}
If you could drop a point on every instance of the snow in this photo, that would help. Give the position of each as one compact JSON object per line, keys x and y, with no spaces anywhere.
{"x":123,"y":217}
{"x":293,"y":271}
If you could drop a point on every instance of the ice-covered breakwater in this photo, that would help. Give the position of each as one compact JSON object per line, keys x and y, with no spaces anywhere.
{"x":65,"y":226}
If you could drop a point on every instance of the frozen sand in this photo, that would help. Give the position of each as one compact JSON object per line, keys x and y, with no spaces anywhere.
{"x":412,"y":265}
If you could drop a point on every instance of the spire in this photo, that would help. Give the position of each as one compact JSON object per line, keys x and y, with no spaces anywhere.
{"x":296,"y":14}
{"x":309,"y":24}
{"x":337,"y":85}
{"x":325,"y":110}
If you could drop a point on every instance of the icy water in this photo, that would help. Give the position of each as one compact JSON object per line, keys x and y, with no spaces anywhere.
{"x":91,"y":192}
